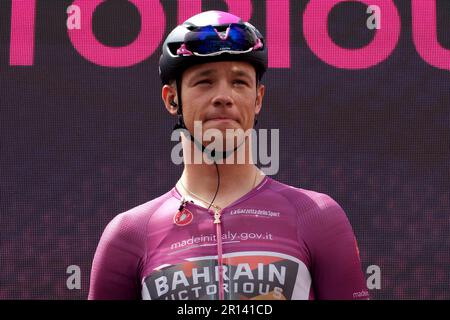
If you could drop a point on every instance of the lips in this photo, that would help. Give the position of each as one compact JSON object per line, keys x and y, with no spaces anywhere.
{"x":220,"y":117}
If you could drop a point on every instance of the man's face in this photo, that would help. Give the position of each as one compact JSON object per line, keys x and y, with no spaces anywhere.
{"x":222,"y":95}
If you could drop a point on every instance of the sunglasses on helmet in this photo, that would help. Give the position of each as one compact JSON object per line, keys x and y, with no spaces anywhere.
{"x":207,"y":41}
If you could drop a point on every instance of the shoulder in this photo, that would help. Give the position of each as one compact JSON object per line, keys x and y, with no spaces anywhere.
{"x":306,"y":201}
{"x":132,"y":224}
{"x":121,"y":253}
{"x":316,"y":213}
{"x":321,"y":219}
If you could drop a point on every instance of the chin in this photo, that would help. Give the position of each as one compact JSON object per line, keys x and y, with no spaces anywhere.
{"x":221,"y":124}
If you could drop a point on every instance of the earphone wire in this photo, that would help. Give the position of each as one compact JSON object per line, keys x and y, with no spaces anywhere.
{"x":218,"y":184}
{"x":217,"y":189}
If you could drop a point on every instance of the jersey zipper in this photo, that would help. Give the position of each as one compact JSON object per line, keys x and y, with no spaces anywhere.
{"x":218,"y":223}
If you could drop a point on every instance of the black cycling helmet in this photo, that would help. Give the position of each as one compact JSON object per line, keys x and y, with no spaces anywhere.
{"x":210,"y":36}
{"x":216,"y":36}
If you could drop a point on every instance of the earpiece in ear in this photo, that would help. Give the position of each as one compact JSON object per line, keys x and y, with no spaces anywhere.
{"x":173,"y":104}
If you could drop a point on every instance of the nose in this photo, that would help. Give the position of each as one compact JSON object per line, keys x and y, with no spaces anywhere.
{"x":223,"y":96}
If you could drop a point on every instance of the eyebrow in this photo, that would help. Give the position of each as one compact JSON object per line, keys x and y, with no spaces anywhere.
{"x":203,"y":73}
{"x":241,"y":73}
{"x":209,"y":72}
{"x":206,"y":72}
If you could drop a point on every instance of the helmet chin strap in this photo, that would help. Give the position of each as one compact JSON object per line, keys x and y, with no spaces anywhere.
{"x":211,"y":153}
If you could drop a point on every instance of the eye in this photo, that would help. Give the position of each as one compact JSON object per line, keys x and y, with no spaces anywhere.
{"x":203,"y":82}
{"x":240,"y":82}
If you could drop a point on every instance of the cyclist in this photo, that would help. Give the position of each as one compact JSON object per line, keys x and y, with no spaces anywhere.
{"x":225,"y":230}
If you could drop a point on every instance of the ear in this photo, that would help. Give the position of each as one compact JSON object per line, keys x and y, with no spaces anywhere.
{"x":169,"y":96}
{"x":259,"y":97}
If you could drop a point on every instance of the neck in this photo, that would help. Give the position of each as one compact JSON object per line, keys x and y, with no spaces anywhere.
{"x":236,"y":179}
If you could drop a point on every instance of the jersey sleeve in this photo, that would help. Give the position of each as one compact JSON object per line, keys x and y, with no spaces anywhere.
{"x":335,"y":263}
{"x":117,"y":261}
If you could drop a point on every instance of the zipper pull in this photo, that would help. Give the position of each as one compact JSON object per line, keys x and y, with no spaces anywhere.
{"x":182,"y":203}
{"x":216,"y":216}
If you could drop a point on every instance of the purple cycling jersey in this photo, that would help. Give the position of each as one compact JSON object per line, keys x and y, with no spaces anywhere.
{"x":275,"y":242}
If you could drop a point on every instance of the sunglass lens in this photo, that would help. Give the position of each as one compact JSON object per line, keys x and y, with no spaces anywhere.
{"x":205,"y":40}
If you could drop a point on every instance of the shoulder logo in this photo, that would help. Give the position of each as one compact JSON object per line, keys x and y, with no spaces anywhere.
{"x":183,"y":217}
